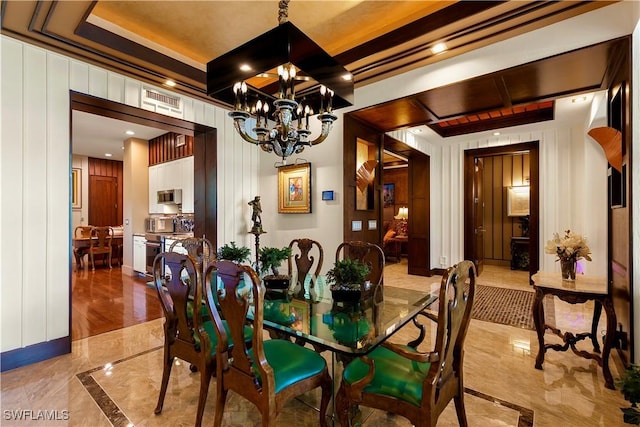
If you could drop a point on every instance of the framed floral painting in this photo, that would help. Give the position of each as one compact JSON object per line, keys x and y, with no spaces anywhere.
{"x":518,"y":201}
{"x":294,"y":188}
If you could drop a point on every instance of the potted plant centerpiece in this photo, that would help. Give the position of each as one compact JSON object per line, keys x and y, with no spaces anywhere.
{"x":347,"y":279}
{"x":629,"y":383}
{"x":231,"y":252}
{"x":270,"y":260}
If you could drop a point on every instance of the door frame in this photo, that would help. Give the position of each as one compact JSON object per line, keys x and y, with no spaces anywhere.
{"x":534,"y":201}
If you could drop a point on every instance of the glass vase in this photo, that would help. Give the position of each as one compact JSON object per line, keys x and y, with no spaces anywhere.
{"x":568,"y":267}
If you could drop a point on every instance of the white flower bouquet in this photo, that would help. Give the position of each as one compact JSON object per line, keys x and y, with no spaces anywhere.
{"x":570,"y":247}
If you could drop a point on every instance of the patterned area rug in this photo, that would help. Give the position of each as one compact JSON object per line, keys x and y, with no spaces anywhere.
{"x":507,"y":306}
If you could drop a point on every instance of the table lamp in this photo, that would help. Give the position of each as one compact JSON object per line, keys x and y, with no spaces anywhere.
{"x":403,"y":214}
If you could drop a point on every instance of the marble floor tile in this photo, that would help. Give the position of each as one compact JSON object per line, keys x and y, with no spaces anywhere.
{"x":114,"y":379}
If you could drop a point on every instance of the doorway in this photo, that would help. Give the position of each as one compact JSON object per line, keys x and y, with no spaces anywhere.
{"x":131,"y":294}
{"x":474,"y":245}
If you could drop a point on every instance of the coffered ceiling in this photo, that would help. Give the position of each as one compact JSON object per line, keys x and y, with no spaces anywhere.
{"x":158,"y":40}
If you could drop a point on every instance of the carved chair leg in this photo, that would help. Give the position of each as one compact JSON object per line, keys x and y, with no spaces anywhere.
{"x":205,"y":377}
{"x":460,"y":411}
{"x":327,"y":386}
{"x":342,"y":407}
{"x":221,"y":397}
{"x":166,"y":373}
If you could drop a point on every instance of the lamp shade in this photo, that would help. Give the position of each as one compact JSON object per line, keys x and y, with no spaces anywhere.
{"x":403,"y":213}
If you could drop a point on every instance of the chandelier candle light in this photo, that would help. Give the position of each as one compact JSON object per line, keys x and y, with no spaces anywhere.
{"x":280,"y":79}
{"x":569,"y":250}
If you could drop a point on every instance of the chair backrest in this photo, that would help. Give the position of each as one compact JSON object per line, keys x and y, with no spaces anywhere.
{"x":239,"y":292}
{"x":82,"y":231}
{"x":176,"y":278}
{"x":101,"y":237}
{"x":304,"y":260}
{"x":368,"y":253}
{"x":457,"y":290}
{"x":198,"y":248}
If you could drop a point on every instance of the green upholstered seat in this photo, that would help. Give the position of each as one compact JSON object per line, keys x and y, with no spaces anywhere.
{"x":291,"y":362}
{"x":394,"y":376}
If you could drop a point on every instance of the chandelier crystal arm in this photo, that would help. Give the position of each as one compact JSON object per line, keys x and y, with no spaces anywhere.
{"x":327,"y":120}
{"x":239,"y":120}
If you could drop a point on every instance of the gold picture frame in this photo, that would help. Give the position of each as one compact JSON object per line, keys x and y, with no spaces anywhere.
{"x":294,"y":188}
{"x":518,"y":200}
{"x":76,"y":188}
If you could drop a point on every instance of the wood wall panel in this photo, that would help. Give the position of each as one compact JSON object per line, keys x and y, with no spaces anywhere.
{"x":164,"y":148}
{"x":501,"y":172}
{"x":399,"y":177}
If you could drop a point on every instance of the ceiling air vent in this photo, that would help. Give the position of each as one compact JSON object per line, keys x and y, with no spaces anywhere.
{"x":160,"y":102}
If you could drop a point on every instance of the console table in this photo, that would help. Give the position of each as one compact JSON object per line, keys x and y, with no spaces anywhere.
{"x":583,"y":289}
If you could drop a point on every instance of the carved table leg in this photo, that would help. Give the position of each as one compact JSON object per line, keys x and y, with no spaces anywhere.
{"x":538,"y":320}
{"x":597,"y":311}
{"x":608,"y":342}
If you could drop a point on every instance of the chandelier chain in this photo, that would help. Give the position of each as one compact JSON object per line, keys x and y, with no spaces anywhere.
{"x":283,"y":11}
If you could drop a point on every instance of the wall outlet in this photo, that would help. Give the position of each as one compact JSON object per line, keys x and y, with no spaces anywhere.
{"x":443,"y":261}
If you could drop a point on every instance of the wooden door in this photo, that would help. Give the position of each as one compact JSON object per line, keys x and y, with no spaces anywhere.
{"x":478,"y":216}
{"x":103,"y":200}
{"x":419,"y":219}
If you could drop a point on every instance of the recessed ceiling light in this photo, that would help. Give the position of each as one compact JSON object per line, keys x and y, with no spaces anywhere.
{"x":130,"y":132}
{"x":347,"y":77}
{"x":438,"y":48}
{"x":123,"y":147}
{"x":496,"y":133}
{"x":108,"y":154}
{"x":416,"y":130}
{"x":579,"y":99}
{"x":170,"y":83}
{"x":245,"y":67}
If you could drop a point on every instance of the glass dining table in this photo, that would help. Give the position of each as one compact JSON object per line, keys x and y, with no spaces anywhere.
{"x":308,"y":313}
{"x":342,"y":330}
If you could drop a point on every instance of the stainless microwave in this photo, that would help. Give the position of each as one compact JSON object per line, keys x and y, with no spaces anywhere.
{"x":159,"y":225}
{"x":170,"y":196}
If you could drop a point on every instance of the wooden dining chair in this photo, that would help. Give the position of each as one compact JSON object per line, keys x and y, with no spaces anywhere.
{"x":186,"y":336}
{"x":303,"y":261}
{"x":272,"y":371}
{"x":81,"y":232}
{"x":202,"y":252}
{"x":416,"y":385}
{"x":101,"y":238}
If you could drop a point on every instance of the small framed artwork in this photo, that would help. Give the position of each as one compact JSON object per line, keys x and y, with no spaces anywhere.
{"x":76,"y":188}
{"x":373,"y":224}
{"x":301,"y":312}
{"x":294,"y":188}
{"x":388,"y":195}
{"x":356,"y":225}
{"x":327,"y":195}
{"x":518,"y":201}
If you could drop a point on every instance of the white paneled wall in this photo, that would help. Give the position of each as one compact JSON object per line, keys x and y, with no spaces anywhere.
{"x":35,"y":166}
{"x":572,"y":195}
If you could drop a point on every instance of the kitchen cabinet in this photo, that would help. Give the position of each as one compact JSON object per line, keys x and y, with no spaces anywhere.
{"x":139,"y":254}
{"x":172,"y":175}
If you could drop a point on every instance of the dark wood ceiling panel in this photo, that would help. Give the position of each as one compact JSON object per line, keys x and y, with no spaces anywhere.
{"x":473,"y":95}
{"x":573,"y":72}
{"x":497,"y":119}
{"x":395,"y":114}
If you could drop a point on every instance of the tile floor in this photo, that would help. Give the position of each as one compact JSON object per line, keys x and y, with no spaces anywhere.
{"x":113,"y":379}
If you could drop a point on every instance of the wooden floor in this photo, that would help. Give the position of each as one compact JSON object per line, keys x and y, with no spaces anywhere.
{"x":105,"y":300}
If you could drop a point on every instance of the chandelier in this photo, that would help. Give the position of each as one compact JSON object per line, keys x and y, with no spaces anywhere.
{"x":275,"y":83}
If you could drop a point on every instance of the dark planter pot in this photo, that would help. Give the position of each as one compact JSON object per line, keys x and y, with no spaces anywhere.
{"x":631,"y":416}
{"x":346,"y":295}
{"x":276,"y":282}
